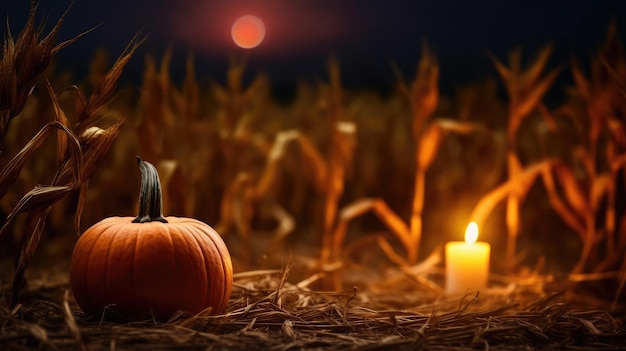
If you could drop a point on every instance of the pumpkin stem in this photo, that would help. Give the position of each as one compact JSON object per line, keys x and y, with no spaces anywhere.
{"x":150,"y":199}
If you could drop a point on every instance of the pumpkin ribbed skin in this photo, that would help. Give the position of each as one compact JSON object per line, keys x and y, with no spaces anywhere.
{"x":150,"y":269}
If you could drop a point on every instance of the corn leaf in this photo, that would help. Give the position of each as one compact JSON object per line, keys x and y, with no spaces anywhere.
{"x":428,"y":145}
{"x":601,"y":186}
{"x":433,"y":136}
{"x":104,"y":90}
{"x":572,"y":219}
{"x":270,"y":171}
{"x":488,"y":202}
{"x":532,"y":100}
{"x":572,"y":189}
{"x":315,"y":158}
{"x":286,"y":222}
{"x":531,"y":75}
{"x":39,"y":196}
{"x":380,"y":208}
{"x":231,"y":207}
{"x":391,"y":254}
{"x":12,"y":170}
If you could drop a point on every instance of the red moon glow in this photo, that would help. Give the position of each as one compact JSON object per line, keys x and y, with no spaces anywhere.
{"x":248,"y":31}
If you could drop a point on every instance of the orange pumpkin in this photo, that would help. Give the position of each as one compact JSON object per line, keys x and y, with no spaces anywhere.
{"x":150,"y":266}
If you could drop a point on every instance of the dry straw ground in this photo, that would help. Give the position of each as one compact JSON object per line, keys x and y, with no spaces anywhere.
{"x":355,"y":187}
{"x":268,"y":313}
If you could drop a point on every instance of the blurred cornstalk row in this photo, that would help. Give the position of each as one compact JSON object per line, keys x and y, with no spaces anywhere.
{"x":298,"y":174}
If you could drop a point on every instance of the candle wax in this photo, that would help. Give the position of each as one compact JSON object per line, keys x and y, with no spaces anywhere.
{"x":467,"y":266}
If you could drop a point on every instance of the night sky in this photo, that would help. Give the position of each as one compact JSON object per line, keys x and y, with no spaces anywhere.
{"x":365,"y":35}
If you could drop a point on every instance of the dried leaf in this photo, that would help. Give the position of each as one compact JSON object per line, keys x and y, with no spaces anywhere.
{"x":104,"y":90}
{"x":230,"y":206}
{"x":514,"y":165}
{"x":32,"y":235}
{"x":62,"y":142}
{"x":286,"y":222}
{"x":433,"y":136}
{"x":429,"y":145}
{"x":380,"y":208}
{"x":38,"y":201}
{"x":39,"y":196}
{"x":12,"y":170}
{"x":270,"y":171}
{"x":390,"y":252}
{"x":571,"y":188}
{"x":488,"y":202}
{"x":427,"y":265}
{"x":458,"y":127}
{"x":600,"y":187}
{"x":515,"y":168}
{"x":315,"y":158}
{"x":531,"y":75}
{"x":573,"y":220}
{"x":532,"y":100}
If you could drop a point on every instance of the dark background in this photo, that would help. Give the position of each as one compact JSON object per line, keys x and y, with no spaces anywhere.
{"x":365,"y":35}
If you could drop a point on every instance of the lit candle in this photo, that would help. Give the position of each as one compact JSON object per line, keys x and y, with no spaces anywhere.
{"x":467,"y":263}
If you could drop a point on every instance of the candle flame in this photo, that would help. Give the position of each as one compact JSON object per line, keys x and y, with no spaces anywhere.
{"x":471,"y":233}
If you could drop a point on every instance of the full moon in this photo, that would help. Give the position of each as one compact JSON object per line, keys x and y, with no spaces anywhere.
{"x":248,"y":31}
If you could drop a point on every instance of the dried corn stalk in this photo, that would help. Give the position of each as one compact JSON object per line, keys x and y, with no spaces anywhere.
{"x":428,"y":135}
{"x":80,"y":148}
{"x":423,"y":96}
{"x":525,"y":88}
{"x":339,"y":154}
{"x":580,"y":187}
{"x":429,"y":144}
